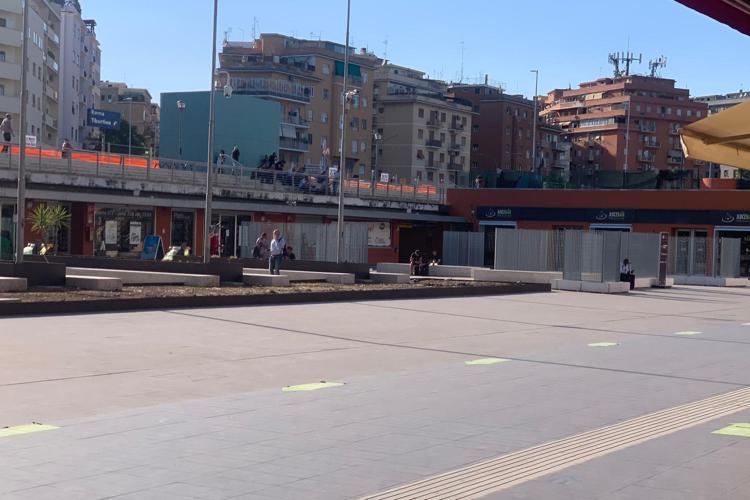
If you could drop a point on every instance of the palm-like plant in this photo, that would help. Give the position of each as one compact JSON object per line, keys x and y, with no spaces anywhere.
{"x":48,"y":220}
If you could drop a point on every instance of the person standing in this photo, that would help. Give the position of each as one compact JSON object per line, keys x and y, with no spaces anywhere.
{"x":627,"y":274}
{"x":260,"y":250}
{"x":277,"y":252}
{"x":236,"y":156}
{"x":6,"y":127}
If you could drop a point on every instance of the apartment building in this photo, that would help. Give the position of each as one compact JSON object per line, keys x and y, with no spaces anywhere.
{"x":135,"y":106}
{"x":43,"y":82}
{"x":80,"y":74}
{"x":502,"y":132}
{"x":306,"y":78}
{"x":716,"y":104}
{"x":422,"y":135}
{"x":633,"y":114}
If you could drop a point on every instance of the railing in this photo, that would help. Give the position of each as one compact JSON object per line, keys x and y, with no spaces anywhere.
{"x":295,"y":120}
{"x":271,"y":87}
{"x":53,"y":64}
{"x":433,"y":143}
{"x":652,"y":144}
{"x":646,"y":158}
{"x":433,"y":122}
{"x":455,"y":147}
{"x":254,"y":182}
{"x":456,"y":126}
{"x":295,"y":144}
{"x":675,"y":160}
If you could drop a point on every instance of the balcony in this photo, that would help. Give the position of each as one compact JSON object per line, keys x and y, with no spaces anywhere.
{"x":433,"y":143}
{"x":52,"y":64}
{"x":10,"y":104}
{"x":646,"y":158}
{"x":652,"y":144}
{"x":52,"y":94}
{"x":53,"y":37}
{"x":50,"y":122}
{"x":10,"y":71}
{"x":674,"y":131}
{"x":455,"y":166}
{"x":295,"y":120}
{"x":456,"y":126}
{"x":268,"y":87}
{"x":647,"y":127}
{"x":675,"y":157}
{"x":11,"y":37}
{"x":434,"y":122}
{"x":455,"y":147}
{"x":289,"y":144}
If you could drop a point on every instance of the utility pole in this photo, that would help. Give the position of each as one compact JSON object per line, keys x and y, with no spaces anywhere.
{"x":21,"y":195}
{"x":536,"y":116}
{"x":342,"y":146}
{"x":209,"y":164}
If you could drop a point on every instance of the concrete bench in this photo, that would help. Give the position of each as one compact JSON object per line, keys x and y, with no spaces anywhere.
{"x":265,"y":279}
{"x":512,"y":276}
{"x":710,"y":281}
{"x":379,"y":277}
{"x":100,"y":283}
{"x":148,"y":277}
{"x":337,"y":278}
{"x":452,"y":271}
{"x":13,"y":284}
{"x":591,"y":286}
{"x":393,"y":267}
{"x":651,"y":282}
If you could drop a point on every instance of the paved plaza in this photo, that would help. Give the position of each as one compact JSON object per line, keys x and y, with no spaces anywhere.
{"x":215,"y":403}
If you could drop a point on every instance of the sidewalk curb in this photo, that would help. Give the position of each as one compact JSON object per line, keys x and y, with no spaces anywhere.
{"x":151,"y":303}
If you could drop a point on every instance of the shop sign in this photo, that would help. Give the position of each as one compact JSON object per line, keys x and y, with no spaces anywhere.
{"x":110,"y":232}
{"x":610,"y":216}
{"x":494,"y":213}
{"x":379,"y":234}
{"x":135,"y":233}
{"x":152,"y":248}
{"x":735,"y":218}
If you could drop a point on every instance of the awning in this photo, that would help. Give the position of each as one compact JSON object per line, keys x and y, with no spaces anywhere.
{"x":723,"y":138}
{"x":735,"y":13}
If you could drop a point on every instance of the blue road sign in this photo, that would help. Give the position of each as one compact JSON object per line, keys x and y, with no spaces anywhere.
{"x":108,"y":120}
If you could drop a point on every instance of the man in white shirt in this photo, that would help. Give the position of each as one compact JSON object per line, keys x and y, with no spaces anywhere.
{"x":276,"y":252}
{"x":627,"y":274}
{"x":6,"y":127}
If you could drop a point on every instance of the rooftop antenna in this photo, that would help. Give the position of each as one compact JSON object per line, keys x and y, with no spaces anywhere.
{"x":226,"y":34}
{"x":660,"y":62}
{"x":618,"y":58}
{"x":461,"y":76}
{"x":385,"y":48}
{"x":255,"y":27}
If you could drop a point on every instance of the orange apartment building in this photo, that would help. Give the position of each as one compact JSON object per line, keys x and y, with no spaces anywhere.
{"x":628,"y":123}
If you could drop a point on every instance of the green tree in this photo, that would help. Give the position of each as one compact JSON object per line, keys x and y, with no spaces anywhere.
{"x":118,"y":139}
{"x":48,"y":220}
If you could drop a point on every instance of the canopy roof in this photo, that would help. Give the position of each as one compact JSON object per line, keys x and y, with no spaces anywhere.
{"x":735,"y":13}
{"x":722,"y":138}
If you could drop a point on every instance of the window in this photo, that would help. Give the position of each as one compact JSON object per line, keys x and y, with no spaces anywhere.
{"x":442,"y":117}
{"x":363,"y":147}
{"x":420,"y":134}
{"x":323,"y":141}
{"x":463,"y":141}
{"x":323,"y":117}
{"x":326,"y":69}
{"x":364,"y":77}
{"x":442,"y":157}
{"x":310,"y":116}
{"x":638,"y":107}
{"x":698,"y":114}
{"x":364,"y":102}
{"x":430,"y":176}
{"x":2,"y":89}
{"x":420,"y":154}
{"x":2,"y":58}
{"x":3,"y":22}
{"x":679,"y":112}
{"x":355,"y":146}
{"x":364,"y":123}
{"x":690,"y":112}
{"x":420,"y":112}
{"x":355,"y":123}
{"x":507,"y":131}
{"x":326,"y":93}
{"x":648,"y":109}
{"x":475,"y":147}
{"x":525,"y":114}
{"x":475,"y":128}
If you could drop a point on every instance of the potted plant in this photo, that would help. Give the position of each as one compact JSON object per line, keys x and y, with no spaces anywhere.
{"x":47,"y":221}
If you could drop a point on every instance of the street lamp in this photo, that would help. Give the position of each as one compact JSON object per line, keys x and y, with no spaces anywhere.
{"x":181,"y":105}
{"x":536,"y":117}
{"x":130,"y":124}
{"x":209,"y":164}
{"x":21,"y":195}
{"x":342,"y":150}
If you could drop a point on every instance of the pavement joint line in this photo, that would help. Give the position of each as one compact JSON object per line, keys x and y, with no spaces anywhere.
{"x":462,"y":353}
{"x":75,"y":377}
{"x":578,"y":326}
{"x":505,"y":471}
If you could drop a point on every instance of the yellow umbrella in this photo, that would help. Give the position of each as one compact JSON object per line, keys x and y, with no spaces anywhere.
{"x":722,"y":138}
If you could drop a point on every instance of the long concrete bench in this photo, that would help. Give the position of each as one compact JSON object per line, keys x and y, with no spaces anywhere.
{"x":393,"y":267}
{"x":379,"y":277}
{"x":710,"y":281}
{"x":148,"y":277}
{"x":13,"y":284}
{"x":438,"y":271}
{"x":100,"y":283}
{"x":265,"y":279}
{"x":512,"y":276}
{"x":591,"y":286}
{"x":337,"y":278}
{"x":650,"y":282}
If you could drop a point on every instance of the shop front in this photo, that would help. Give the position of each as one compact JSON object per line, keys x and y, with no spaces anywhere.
{"x":7,"y":230}
{"x":120,"y":231}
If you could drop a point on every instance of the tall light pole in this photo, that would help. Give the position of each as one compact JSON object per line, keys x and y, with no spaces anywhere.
{"x":180,"y":110}
{"x":21,"y":195}
{"x":209,"y":164}
{"x":342,"y":145}
{"x":536,"y":117}
{"x":130,"y":124}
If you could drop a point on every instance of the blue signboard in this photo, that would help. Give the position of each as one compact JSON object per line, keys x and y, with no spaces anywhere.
{"x":107,"y":120}
{"x":152,"y":248}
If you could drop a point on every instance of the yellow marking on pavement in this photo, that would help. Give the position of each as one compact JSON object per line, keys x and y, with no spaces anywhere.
{"x":688,"y":332}
{"x":740,"y":430}
{"x":311,"y":387}
{"x":485,"y":361}
{"x":745,"y":324}
{"x":603,"y":344}
{"x":505,"y":471}
{"x":25,"y":429}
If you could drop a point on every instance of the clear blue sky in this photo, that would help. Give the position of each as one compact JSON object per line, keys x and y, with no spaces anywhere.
{"x":164,"y":45}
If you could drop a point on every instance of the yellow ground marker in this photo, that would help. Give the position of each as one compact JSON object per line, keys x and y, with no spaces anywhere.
{"x":25,"y":429}
{"x":485,"y":361}
{"x":740,"y":430}
{"x":603,"y":344}
{"x":311,"y":387}
{"x":688,"y":332}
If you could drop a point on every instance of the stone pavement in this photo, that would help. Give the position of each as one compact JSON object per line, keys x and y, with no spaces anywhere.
{"x":189,"y":404}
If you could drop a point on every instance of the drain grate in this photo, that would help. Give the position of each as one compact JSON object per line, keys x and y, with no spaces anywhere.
{"x":486,"y":477}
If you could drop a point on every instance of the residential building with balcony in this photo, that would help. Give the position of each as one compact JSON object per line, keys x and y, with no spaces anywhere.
{"x":306,"y":78}
{"x":135,"y":106}
{"x":626,"y":123}
{"x":422,"y":134}
{"x":716,"y":104}
{"x":80,"y":74}
{"x":43,"y":81}
{"x":502,"y":129}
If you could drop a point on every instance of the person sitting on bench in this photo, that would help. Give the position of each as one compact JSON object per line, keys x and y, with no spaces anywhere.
{"x":627,"y":274}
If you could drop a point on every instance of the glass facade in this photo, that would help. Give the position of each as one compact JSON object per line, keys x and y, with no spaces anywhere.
{"x":120,"y":231}
{"x":7,"y":231}
{"x":183,"y":229}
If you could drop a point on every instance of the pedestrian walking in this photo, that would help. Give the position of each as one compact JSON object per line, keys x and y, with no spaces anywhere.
{"x":260,"y":250}
{"x":235,"y":156}
{"x":6,"y":127}
{"x":277,"y":252}
{"x":66,"y":148}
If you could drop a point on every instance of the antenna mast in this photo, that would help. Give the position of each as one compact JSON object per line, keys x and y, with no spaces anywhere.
{"x":660,"y":62}
{"x":618,"y":58}
{"x":461,"y":76}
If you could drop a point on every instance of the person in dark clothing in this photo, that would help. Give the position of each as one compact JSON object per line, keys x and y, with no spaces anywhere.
{"x":435,"y":259}
{"x":424,"y":265}
{"x":235,"y":156}
{"x":627,"y":274}
{"x":415,"y":259}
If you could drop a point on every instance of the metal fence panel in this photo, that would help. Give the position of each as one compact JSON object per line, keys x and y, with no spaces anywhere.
{"x":528,"y":249}
{"x":729,"y":257}
{"x":462,"y":248}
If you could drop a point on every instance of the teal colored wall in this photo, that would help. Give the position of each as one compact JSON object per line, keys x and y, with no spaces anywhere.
{"x":245,"y":121}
